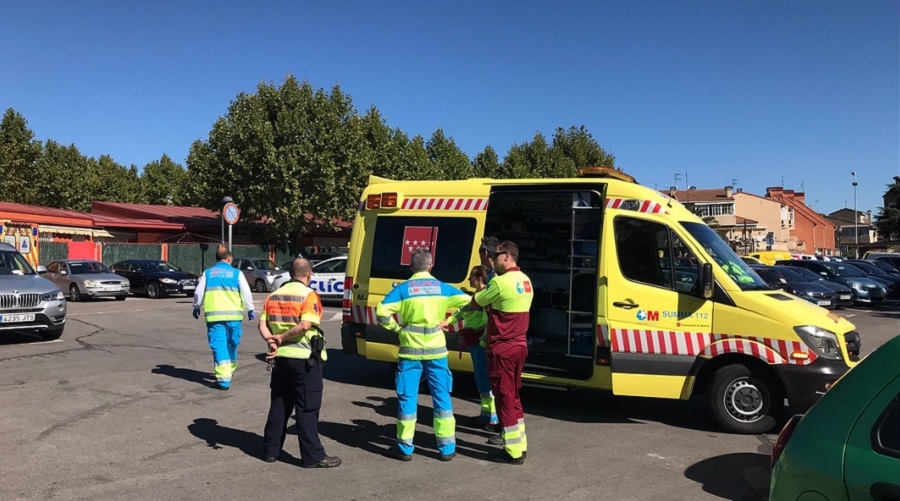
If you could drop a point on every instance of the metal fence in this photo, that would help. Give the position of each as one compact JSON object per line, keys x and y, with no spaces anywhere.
{"x":53,"y":251}
{"x":113,"y":253}
{"x":192,"y":258}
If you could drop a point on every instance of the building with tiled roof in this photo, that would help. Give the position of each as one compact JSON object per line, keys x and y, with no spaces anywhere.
{"x":811,"y":232}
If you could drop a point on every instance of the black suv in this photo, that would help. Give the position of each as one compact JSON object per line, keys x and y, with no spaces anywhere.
{"x":155,"y":278}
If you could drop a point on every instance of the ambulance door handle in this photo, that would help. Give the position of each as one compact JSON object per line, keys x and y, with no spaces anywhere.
{"x":629,"y":305}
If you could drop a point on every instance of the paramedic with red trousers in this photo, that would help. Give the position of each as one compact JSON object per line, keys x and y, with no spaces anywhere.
{"x":508,"y":296}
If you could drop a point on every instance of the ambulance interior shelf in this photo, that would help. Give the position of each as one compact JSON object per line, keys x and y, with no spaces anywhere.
{"x":558,"y":250}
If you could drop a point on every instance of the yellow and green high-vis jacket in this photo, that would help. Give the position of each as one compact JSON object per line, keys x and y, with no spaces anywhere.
{"x":421,"y":303}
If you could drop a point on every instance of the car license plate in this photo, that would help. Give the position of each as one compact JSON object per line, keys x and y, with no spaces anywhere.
{"x":189,"y":287}
{"x":13,"y":319}
{"x":845,"y":296}
{"x":823,"y":303}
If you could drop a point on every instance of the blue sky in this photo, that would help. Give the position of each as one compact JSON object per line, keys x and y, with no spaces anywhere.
{"x":713,"y":90}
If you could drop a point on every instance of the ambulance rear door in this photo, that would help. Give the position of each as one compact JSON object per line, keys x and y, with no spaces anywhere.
{"x":655,"y":309}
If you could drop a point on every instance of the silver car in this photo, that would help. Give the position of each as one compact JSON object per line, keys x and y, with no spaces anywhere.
{"x":261,"y":274}
{"x":83,"y":279}
{"x":28,"y":303}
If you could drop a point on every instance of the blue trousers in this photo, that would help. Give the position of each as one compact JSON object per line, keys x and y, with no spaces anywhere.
{"x":483,"y":383}
{"x":224,"y":339}
{"x":440,"y":384}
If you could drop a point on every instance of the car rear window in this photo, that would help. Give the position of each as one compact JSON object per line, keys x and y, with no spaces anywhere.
{"x":452,"y":239}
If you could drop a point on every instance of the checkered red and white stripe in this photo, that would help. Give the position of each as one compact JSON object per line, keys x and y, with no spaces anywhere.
{"x":476,"y":204}
{"x":366,"y":315}
{"x":705,"y":344}
{"x":647,"y":206}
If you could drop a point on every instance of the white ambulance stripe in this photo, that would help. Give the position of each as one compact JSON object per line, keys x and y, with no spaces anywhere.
{"x":670,"y":348}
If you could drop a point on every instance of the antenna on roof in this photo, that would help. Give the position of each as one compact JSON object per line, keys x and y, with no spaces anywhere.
{"x":801,"y":187}
{"x":782,"y":182}
{"x":686,"y":183}
{"x":734,"y":182}
{"x":677,"y":178}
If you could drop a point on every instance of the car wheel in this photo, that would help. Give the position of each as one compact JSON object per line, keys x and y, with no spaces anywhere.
{"x":51,"y":334}
{"x":74,"y":293}
{"x":121,"y":298}
{"x":743,"y":401}
{"x":153,"y":290}
{"x":261,"y":285}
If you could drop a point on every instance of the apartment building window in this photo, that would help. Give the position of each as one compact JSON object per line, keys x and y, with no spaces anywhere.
{"x":715,"y":210}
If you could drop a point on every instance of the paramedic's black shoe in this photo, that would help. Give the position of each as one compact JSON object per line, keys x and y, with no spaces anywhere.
{"x":270,"y":459}
{"x":504,"y":457}
{"x":496,"y":440}
{"x":328,"y":462}
{"x":483,"y":423}
{"x":448,"y":457}
{"x":397,"y":454}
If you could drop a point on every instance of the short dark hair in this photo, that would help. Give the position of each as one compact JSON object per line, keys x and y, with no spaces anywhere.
{"x":489,"y":244}
{"x":510,"y":247}
{"x":421,"y":259}
{"x":222,"y":253}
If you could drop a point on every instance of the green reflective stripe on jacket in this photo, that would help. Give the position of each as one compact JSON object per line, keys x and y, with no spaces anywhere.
{"x":510,"y":292}
{"x":227,"y":288}
{"x":422,"y":302}
{"x":222,"y":300}
{"x":223,"y":316}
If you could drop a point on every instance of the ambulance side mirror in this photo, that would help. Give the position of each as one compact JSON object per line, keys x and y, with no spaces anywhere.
{"x":706,"y":280}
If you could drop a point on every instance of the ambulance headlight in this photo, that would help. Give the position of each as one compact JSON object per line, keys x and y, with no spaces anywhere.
{"x":823,"y":342}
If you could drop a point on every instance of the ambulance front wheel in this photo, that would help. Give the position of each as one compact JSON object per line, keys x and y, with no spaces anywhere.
{"x":743,"y":401}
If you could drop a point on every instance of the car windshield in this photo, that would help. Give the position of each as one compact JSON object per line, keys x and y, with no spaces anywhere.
{"x":885,"y":266}
{"x":844,"y":270}
{"x":770,"y":277}
{"x":158,"y":266}
{"x":790,"y":276}
{"x":737,"y":269}
{"x":85,"y":267}
{"x":262,"y":264}
{"x":12,"y":263}
{"x":807,"y":275}
{"x":868,"y":268}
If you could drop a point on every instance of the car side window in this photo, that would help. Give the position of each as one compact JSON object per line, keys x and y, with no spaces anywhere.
{"x":53,"y":267}
{"x":642,"y":246}
{"x":341,"y":266}
{"x":238,"y":263}
{"x":886,"y":436}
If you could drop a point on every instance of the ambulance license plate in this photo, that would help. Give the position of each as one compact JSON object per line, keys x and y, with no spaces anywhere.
{"x":14,"y":319}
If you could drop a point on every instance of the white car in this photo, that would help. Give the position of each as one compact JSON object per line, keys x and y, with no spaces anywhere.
{"x":328,"y":277}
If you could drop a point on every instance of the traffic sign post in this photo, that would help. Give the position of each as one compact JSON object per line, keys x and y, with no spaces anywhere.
{"x":231,"y":214}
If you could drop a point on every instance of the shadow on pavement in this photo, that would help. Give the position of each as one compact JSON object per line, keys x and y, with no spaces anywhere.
{"x":353,"y":369}
{"x":204,"y":378}
{"x":739,"y":476}
{"x":218,"y":436}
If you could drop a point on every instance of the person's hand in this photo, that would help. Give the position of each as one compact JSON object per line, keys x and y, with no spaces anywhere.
{"x":251,"y":315}
{"x":273,"y":349}
{"x":445,"y":326}
{"x":197,"y":313}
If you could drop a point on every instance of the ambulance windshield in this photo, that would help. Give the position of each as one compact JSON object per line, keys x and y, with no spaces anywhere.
{"x":734,"y":266}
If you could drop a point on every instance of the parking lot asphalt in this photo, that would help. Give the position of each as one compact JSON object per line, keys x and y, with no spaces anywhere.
{"x":122,"y":407}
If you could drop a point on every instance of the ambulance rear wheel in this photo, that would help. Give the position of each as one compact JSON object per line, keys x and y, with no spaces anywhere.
{"x":743,"y":401}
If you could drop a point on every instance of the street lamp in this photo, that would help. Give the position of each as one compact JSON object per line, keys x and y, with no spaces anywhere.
{"x":855,"y":218}
{"x":226,"y":200}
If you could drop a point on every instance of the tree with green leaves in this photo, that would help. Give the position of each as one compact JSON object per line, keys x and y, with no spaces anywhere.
{"x":447,"y":158}
{"x":19,"y":154}
{"x":887,"y":221}
{"x":60,"y":179}
{"x":108,"y":181}
{"x":486,"y":163}
{"x":285,"y":153}
{"x":163,"y":182}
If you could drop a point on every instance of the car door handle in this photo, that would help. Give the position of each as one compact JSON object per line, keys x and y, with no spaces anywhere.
{"x":627,"y":305}
{"x":884,"y":490}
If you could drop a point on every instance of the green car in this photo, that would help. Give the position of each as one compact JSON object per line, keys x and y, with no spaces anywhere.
{"x":847,"y":446}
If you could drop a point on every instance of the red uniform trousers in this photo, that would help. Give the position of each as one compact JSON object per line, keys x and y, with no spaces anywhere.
{"x":505,"y":363}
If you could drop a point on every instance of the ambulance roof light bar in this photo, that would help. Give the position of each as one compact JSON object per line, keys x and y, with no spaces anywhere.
{"x":595,"y":171}
{"x":383,"y":201}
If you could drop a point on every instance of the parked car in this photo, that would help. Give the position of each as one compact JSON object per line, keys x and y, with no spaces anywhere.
{"x":788,"y":281}
{"x":751,"y":260}
{"x":891,"y":281}
{"x":865,"y":290}
{"x":893,"y":259}
{"x":322,"y":256}
{"x":261,"y":274}
{"x":29,"y":303}
{"x":155,"y":278}
{"x":83,"y":279}
{"x":847,"y":446}
{"x":328,"y":277}
{"x":843,"y":295}
{"x":886,"y":266}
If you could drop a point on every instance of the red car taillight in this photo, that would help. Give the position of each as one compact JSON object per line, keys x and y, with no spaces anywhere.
{"x":783,"y":437}
{"x":347,"y":304}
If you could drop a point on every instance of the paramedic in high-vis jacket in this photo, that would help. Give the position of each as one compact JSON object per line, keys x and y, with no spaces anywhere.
{"x":422,"y":303}
{"x":223,"y":293}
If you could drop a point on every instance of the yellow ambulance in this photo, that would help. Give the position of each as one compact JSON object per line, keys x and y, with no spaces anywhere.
{"x":633,"y":292}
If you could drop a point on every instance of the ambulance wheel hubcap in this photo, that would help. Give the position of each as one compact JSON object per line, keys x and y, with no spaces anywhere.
{"x":744,"y":401}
